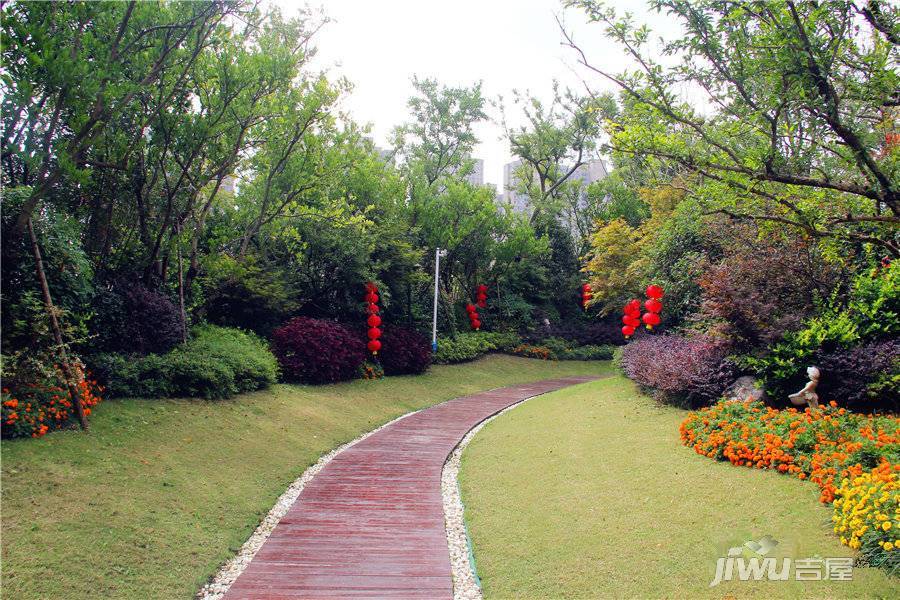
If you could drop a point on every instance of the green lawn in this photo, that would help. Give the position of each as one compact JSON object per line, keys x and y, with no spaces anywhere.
{"x":161,"y":492}
{"x":588,"y":493}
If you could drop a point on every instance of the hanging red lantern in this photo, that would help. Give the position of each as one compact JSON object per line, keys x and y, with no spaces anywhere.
{"x":374,"y":321}
{"x":586,"y":295}
{"x":374,"y":333}
{"x":633,"y":308}
{"x":372,"y":298}
{"x":651,"y":320}
{"x":654,"y":291}
{"x":372,"y":308}
{"x":631,"y":321}
{"x":627,"y":331}
{"x":653,"y":305}
{"x":374,"y":346}
{"x":476,"y":324}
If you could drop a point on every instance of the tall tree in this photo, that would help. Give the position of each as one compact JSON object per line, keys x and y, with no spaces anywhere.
{"x":800,"y":114}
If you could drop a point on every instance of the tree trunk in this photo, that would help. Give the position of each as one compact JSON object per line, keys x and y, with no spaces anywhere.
{"x":54,"y":325}
{"x":180,"y":284}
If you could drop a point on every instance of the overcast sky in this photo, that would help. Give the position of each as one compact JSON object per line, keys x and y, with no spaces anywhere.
{"x":507,"y":44}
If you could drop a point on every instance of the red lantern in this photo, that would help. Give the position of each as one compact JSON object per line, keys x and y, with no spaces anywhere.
{"x":654,"y":291}
{"x":586,"y":287}
{"x":371,"y":287}
{"x":653,"y":305}
{"x":372,"y":308}
{"x":631,"y":321}
{"x":470,"y":308}
{"x":633,"y":308}
{"x":476,"y":324}
{"x":372,"y":298}
{"x":651,"y":320}
{"x":374,"y":321}
{"x":482,"y":289}
{"x":374,"y":333}
{"x":374,"y":346}
{"x":627,"y":331}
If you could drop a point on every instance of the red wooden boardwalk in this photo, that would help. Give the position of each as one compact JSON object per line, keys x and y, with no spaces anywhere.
{"x":371,"y":523}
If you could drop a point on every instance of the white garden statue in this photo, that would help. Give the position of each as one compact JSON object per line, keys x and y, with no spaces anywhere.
{"x":808,"y":396}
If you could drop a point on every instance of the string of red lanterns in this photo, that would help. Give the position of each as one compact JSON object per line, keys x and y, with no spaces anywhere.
{"x":631,"y":318}
{"x":586,"y":295}
{"x":474,"y":321}
{"x":481,"y":298}
{"x":653,"y":306}
{"x":373,"y":320}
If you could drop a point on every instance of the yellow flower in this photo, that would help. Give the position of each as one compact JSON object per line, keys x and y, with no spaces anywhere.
{"x":888,"y":546}
{"x":886,"y":525}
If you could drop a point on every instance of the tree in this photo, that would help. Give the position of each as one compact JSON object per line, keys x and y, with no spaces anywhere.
{"x":558,"y":139}
{"x":800,"y":97}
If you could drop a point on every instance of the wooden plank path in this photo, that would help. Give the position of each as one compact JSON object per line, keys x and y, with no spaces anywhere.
{"x":371,"y":523}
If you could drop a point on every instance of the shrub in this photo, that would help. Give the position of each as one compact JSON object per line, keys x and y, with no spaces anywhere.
{"x":37,"y":399}
{"x":132,"y":318}
{"x":404,"y":351}
{"x":469,"y":346}
{"x":864,"y":378}
{"x":589,"y":353}
{"x":371,"y":370}
{"x":317,"y":351}
{"x":685,"y":371}
{"x":216,"y":362}
{"x":763,"y":288}
{"x":529,"y":351}
{"x":245,"y":294}
{"x":872,"y":313}
{"x":593,"y":332}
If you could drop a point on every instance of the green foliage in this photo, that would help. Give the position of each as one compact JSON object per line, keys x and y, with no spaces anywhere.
{"x":469,"y":346}
{"x":245,"y":294}
{"x":872,"y":311}
{"x":217,"y":362}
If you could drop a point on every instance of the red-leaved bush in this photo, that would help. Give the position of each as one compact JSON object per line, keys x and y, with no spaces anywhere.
{"x":685,"y":371}
{"x":317,"y":351}
{"x":762,"y":289}
{"x":404,"y":351}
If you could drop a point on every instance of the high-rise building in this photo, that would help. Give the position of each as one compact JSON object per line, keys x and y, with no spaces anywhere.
{"x":511,"y":195}
{"x":476,"y":177}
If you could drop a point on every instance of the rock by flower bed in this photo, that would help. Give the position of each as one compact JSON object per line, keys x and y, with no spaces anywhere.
{"x":852,"y":457}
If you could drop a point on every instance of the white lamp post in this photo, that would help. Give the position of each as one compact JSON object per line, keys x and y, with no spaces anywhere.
{"x":438,"y":253}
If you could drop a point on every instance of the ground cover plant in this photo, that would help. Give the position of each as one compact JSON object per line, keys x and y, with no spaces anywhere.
{"x":588,"y":493}
{"x":162,"y":492}
{"x":839,"y":451}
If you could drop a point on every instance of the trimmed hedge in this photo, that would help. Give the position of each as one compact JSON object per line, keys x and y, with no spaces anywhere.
{"x":217,"y":362}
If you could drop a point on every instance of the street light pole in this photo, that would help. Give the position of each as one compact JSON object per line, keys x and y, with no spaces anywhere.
{"x":438,"y":253}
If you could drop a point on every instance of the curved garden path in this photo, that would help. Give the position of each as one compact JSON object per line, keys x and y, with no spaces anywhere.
{"x":371,"y":523}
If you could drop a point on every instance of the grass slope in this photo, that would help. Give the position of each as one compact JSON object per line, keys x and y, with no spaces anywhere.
{"x":588,"y":493}
{"x":161,"y":492}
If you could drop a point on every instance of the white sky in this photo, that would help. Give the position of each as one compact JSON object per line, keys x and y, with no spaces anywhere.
{"x":507,"y":44}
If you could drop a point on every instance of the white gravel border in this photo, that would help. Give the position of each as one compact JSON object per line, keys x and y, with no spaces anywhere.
{"x":229,"y":572}
{"x":466,"y":585}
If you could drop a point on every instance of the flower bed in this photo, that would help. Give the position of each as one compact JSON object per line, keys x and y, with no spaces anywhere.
{"x":33,"y":408}
{"x":844,"y":453}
